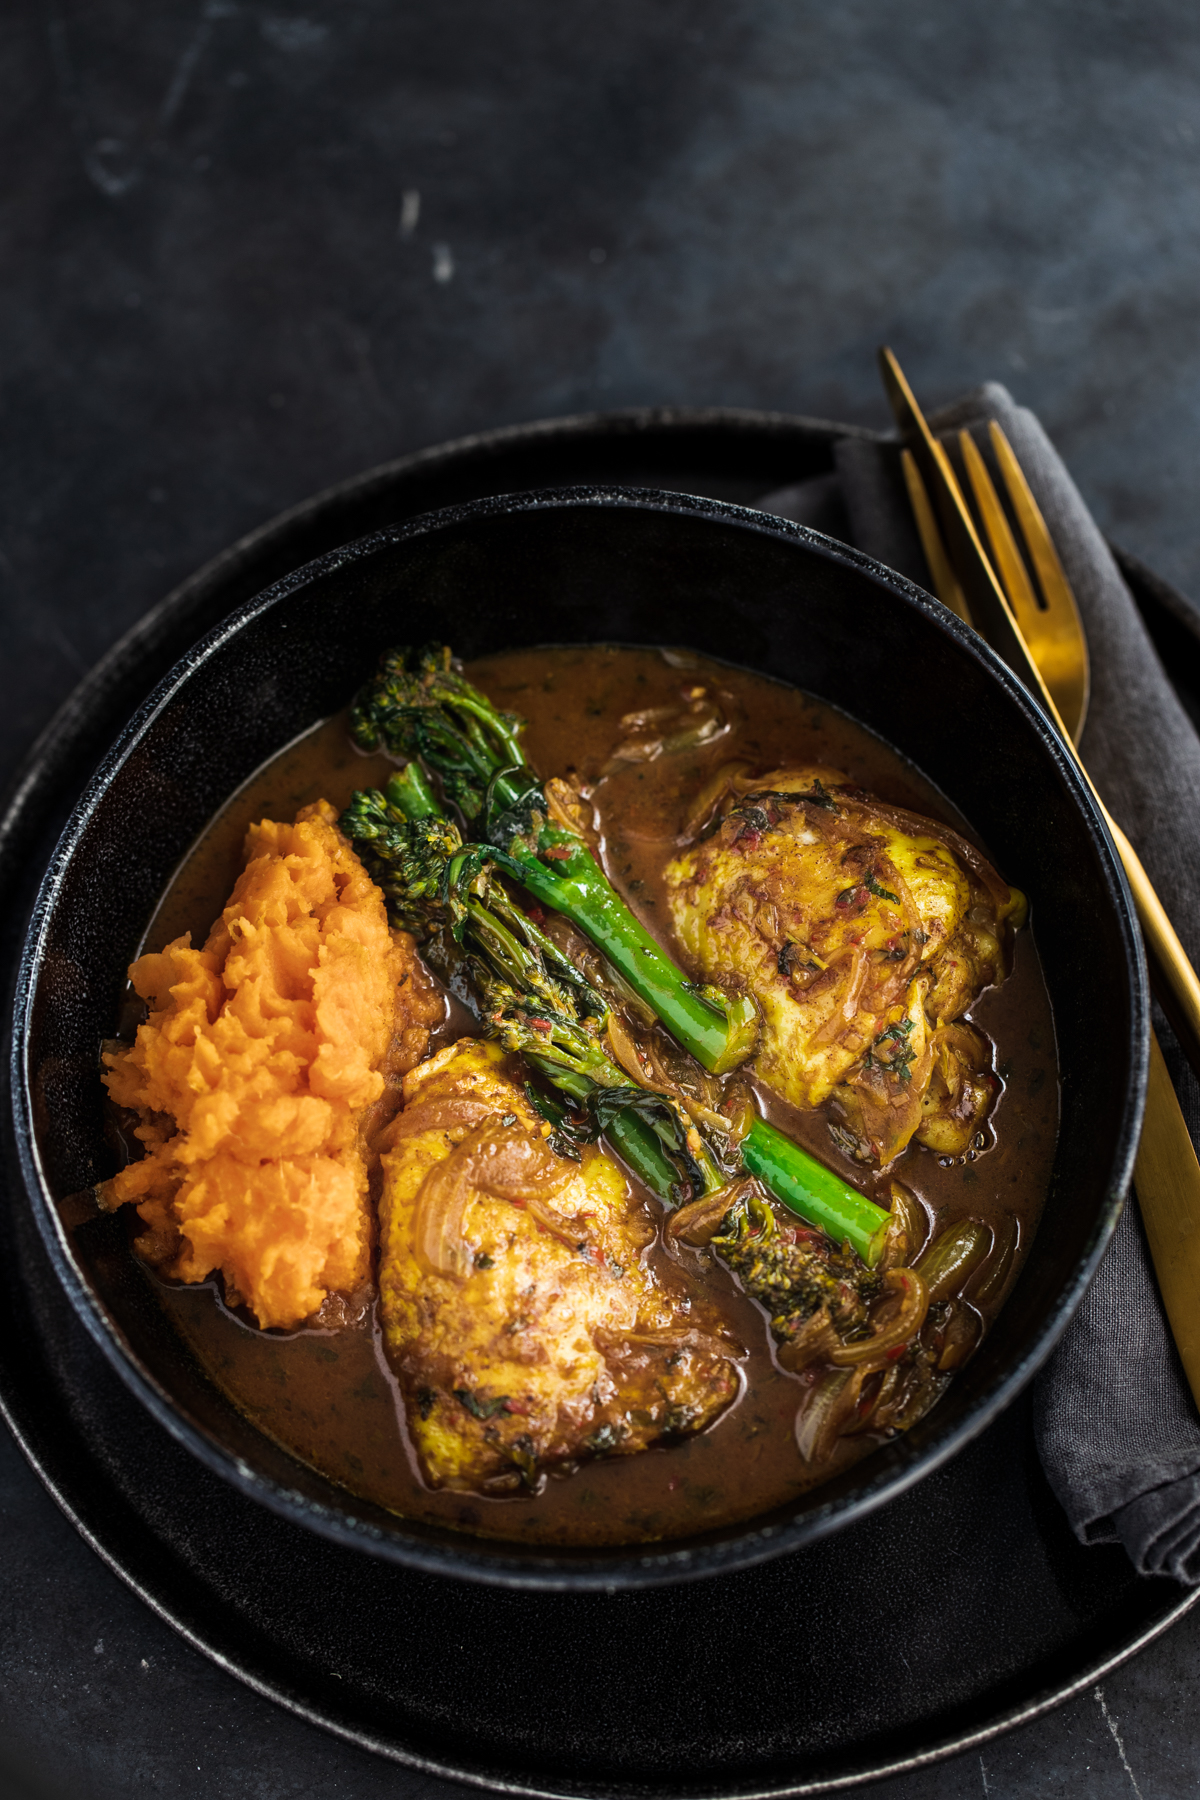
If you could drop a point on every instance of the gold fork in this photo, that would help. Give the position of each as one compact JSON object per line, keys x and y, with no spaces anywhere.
{"x":1167,"y":1173}
{"x":1051,"y":625}
{"x":1052,"y":628}
{"x":1175,"y":980}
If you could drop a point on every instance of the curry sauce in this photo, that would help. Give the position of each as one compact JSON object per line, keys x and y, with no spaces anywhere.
{"x":328,"y":1395}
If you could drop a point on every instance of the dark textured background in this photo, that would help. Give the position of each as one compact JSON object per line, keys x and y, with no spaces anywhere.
{"x":216,"y":299}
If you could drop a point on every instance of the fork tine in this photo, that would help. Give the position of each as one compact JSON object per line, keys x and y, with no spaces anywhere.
{"x":945,"y":582}
{"x":1051,"y":573}
{"x":1060,"y":620}
{"x":1010,"y":564}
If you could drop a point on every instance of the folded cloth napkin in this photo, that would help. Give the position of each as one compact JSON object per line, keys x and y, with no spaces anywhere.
{"x":1126,"y":1470}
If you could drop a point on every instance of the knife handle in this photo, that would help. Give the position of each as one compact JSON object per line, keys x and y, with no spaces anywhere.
{"x":1174,"y":978}
{"x":1167,"y":1179}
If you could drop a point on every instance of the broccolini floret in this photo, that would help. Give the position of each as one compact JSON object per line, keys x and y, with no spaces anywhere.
{"x":527,"y":993}
{"x":420,"y":706}
{"x":793,"y":1278}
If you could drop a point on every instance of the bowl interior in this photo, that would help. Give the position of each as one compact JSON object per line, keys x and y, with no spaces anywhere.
{"x":567,"y":567}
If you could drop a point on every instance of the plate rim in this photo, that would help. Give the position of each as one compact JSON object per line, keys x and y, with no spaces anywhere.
{"x":43,"y":766}
{"x":690,"y":1560}
{"x":942,"y":1750}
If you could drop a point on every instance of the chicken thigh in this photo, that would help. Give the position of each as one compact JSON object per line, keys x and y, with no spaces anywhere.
{"x":864,"y":933}
{"x":519,"y":1311}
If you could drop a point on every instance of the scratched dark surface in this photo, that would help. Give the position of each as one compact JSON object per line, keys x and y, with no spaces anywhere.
{"x":252,"y":249}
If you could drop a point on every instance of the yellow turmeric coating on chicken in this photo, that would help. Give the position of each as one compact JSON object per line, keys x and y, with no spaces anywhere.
{"x":863,"y":932}
{"x":256,"y":1068}
{"x":518,"y":1310}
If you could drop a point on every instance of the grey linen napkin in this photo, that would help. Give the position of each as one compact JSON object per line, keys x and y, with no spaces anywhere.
{"x":1117,"y":1430}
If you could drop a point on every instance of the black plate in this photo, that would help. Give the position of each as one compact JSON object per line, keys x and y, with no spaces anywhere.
{"x":916,"y":1630}
{"x":573,"y":565}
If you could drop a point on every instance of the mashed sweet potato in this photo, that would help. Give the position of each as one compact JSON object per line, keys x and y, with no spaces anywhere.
{"x":258,"y":1069}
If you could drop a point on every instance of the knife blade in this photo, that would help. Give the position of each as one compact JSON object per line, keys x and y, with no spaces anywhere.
{"x":1167,"y":1172}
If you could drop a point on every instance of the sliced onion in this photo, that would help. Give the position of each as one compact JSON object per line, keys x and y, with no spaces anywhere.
{"x":793,"y":777}
{"x":502,"y":1160}
{"x":696,"y":724}
{"x":508,"y":1162}
{"x":624,"y":1049}
{"x":566,"y":807}
{"x":908,"y":906}
{"x":847,"y":1007}
{"x":438,"y":1115}
{"x":828,"y":1408}
{"x":873,"y":1352}
{"x":571,"y":1232}
{"x":953,"y":1256}
{"x":631,"y":751}
{"x":710,"y":797}
{"x":644,"y":1065}
{"x":878,"y":1403}
{"x":907,"y":1232}
{"x":858,"y":975}
{"x":1004,"y":1247}
{"x":687,"y":1338}
{"x":696,"y":1222}
{"x":696,"y":732}
{"x":648,"y":717}
{"x":741,"y":1115}
{"x":963,"y":1042}
{"x":963,"y":1332}
{"x":810,"y":1344}
{"x":696,"y":1108}
{"x":438,"y":1242}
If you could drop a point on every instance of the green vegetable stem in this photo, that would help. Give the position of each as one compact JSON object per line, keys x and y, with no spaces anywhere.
{"x":529,"y":995}
{"x":533,"y":998}
{"x":420,"y":707}
{"x":559,"y":870}
{"x":814,"y":1191}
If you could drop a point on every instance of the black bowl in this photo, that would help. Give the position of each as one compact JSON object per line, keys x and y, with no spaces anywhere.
{"x":571,"y":566}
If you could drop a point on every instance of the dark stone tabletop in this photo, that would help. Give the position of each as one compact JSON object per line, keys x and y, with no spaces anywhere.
{"x":252,"y":248}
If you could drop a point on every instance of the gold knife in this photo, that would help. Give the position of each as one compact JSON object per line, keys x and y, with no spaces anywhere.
{"x":1167,"y":1171}
{"x":1167,"y":1178}
{"x":1175,"y":981}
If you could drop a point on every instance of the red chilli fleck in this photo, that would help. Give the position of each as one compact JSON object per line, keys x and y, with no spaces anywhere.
{"x":558,"y":852}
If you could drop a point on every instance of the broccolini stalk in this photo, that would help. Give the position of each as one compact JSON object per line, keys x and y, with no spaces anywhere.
{"x":636,"y":1143}
{"x":531,"y":996}
{"x":814,"y":1191}
{"x":790,"y":1173}
{"x":420,"y":707}
{"x":559,"y":870}
{"x":411,"y":794}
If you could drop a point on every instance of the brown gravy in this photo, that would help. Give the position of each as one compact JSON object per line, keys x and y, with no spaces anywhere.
{"x":329,"y":1396}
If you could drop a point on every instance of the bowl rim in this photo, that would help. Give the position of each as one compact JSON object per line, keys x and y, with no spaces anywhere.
{"x":497,"y":1562}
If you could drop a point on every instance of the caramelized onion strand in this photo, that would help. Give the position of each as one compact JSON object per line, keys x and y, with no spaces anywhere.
{"x":874,"y":1352}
